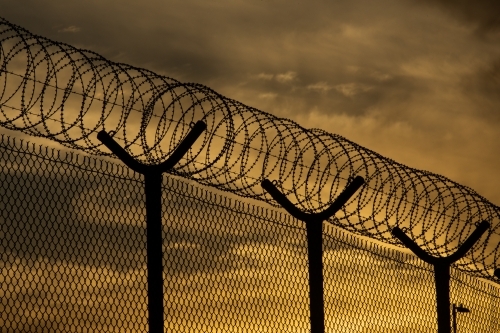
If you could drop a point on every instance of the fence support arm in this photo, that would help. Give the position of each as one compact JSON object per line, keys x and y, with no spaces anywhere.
{"x":314,"y":224}
{"x":172,"y":160}
{"x":442,"y":267}
{"x":152,"y":183}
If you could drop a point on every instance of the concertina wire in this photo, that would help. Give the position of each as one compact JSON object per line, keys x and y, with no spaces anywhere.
{"x":53,"y":90}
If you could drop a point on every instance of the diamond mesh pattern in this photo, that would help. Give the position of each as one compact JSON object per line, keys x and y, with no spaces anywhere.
{"x":73,"y":259}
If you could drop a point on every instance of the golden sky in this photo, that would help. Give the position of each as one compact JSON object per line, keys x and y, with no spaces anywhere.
{"x":416,"y":81}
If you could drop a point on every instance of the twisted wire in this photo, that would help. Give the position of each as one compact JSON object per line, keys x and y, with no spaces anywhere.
{"x":53,"y":90}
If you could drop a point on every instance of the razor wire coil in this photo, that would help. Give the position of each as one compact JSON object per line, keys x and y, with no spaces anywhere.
{"x":53,"y":90}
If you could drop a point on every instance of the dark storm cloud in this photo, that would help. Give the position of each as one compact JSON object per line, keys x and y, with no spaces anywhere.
{"x":483,"y":87}
{"x":191,"y":38}
{"x":195,"y":40}
{"x":40,"y":219}
{"x":65,"y":227}
{"x":484,"y":15}
{"x":345,"y":56}
{"x":87,"y":215}
{"x":354,"y":96}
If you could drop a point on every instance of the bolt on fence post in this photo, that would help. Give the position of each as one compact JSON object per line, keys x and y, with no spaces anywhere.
{"x":442,"y":270}
{"x":314,"y":223}
{"x":152,"y":188}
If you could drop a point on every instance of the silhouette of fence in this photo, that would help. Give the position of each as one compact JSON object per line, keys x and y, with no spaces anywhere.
{"x":55,"y":90}
{"x":73,"y":259}
{"x":76,"y":238}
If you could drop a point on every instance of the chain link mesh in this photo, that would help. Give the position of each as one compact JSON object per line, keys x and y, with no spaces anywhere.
{"x":73,"y":259}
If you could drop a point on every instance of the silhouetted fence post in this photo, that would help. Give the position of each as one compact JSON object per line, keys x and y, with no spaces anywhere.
{"x":314,"y":223}
{"x":153,"y":181}
{"x":442,"y":270}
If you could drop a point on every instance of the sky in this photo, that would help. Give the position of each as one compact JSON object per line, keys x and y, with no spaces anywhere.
{"x":416,"y":81}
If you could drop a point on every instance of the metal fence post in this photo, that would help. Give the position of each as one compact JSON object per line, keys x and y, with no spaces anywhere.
{"x":314,"y":223}
{"x":442,"y":270}
{"x":153,"y":181}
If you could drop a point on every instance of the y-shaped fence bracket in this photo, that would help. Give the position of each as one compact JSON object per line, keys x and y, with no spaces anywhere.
{"x":497,"y":273}
{"x":153,"y":180}
{"x":314,"y":223}
{"x":442,"y":270}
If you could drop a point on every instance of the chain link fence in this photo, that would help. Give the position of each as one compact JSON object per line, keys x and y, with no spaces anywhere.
{"x":73,"y":259}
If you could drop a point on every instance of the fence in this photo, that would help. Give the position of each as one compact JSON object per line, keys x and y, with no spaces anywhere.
{"x":54,"y":90}
{"x":73,"y":259}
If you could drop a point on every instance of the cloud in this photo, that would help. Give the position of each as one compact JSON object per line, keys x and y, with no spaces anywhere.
{"x":268,"y":95}
{"x":264,"y":76}
{"x":484,"y":15}
{"x":286,"y":77}
{"x":351,"y":89}
{"x":320,"y":86}
{"x":71,"y":29}
{"x":382,"y":77}
{"x":483,"y":87}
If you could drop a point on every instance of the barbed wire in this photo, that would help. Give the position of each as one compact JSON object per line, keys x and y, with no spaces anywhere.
{"x":53,"y":90}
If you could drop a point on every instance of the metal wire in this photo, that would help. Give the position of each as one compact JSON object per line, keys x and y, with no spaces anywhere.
{"x":53,"y":90}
